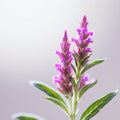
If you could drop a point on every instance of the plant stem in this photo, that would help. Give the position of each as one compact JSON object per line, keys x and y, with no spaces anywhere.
{"x":70,"y":107}
{"x":74,"y":103}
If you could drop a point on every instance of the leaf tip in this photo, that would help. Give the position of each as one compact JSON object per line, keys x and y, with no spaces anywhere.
{"x":33,"y":83}
{"x":104,"y":59}
{"x":25,"y":116}
{"x":116,"y":91}
{"x":17,"y":115}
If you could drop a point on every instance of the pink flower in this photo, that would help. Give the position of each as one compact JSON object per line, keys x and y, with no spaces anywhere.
{"x":85,"y":80}
{"x":83,"y":41}
{"x":62,"y":80}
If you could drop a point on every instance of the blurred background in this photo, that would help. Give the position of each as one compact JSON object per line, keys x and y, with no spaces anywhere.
{"x":30,"y":33}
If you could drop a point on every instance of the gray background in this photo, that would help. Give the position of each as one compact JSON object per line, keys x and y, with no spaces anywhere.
{"x":30,"y":33}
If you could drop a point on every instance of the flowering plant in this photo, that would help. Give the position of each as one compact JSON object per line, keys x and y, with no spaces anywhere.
{"x":72,"y":81}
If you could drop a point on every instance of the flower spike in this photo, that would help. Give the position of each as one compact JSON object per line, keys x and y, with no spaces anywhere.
{"x":62,"y":80}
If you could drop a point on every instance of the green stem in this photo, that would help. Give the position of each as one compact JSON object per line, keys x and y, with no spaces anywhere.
{"x":78,"y":71}
{"x":75,"y":103}
{"x":70,"y":105}
{"x":70,"y":108}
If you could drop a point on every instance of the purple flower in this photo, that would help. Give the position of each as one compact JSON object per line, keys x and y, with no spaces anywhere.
{"x":83,"y":40}
{"x":64,"y":68}
{"x":85,"y":80}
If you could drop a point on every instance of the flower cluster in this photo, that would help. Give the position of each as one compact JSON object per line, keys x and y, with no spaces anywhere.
{"x":83,"y":41}
{"x":63,"y":80}
{"x":65,"y":70}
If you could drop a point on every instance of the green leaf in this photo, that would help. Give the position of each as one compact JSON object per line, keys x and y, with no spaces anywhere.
{"x":48,"y":90}
{"x":26,"y":116}
{"x":94,"y":108}
{"x":60,"y":104}
{"x":85,"y":88}
{"x":75,"y":59}
{"x":92,"y":64}
{"x":85,"y":59}
{"x":73,"y":81}
{"x":73,"y":67}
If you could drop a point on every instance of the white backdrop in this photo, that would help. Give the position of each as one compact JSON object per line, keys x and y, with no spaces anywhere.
{"x":30,"y":33}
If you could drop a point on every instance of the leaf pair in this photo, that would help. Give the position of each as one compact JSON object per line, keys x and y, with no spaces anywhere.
{"x":54,"y":96}
{"x":87,"y":67}
{"x":94,"y":108}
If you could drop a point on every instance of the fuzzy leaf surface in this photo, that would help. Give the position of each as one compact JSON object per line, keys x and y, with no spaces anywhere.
{"x":87,"y":87}
{"x":48,"y":90}
{"x":59,"y":103}
{"x":92,"y":64}
{"x":94,"y":108}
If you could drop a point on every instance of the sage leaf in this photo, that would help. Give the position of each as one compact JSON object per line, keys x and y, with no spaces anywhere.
{"x":48,"y":90}
{"x":73,"y":67}
{"x":76,"y":63}
{"x":60,"y":104}
{"x":94,"y":108}
{"x":26,"y":116}
{"x":86,"y":87}
{"x":85,"y":60}
{"x":92,"y":64}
